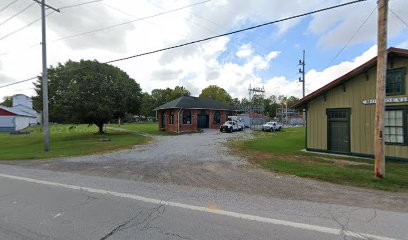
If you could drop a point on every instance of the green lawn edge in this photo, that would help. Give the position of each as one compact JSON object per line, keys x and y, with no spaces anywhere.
{"x":66,"y":141}
{"x":282,"y":152}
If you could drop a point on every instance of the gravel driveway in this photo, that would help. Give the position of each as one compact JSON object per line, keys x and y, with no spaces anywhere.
{"x":203,"y":160}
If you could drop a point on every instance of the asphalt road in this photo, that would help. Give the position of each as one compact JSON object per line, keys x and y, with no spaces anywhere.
{"x":43,"y":204}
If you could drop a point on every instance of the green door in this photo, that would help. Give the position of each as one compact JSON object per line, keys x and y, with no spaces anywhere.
{"x":338,"y":130}
{"x":203,"y":120}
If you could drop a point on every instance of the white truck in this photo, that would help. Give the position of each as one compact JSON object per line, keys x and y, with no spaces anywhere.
{"x":230,"y":126}
{"x":238,"y":120}
{"x":271,"y":126}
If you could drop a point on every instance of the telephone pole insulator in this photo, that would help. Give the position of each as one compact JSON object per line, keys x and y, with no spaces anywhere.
{"x":302,"y":71}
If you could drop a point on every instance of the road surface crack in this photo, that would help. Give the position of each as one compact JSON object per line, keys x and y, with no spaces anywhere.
{"x":143,"y":218}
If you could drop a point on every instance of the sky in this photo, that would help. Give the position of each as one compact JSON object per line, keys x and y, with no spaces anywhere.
{"x":335,"y":41}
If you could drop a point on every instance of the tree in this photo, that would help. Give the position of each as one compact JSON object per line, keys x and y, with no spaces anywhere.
{"x":216,"y":93}
{"x":89,"y":92}
{"x":162,"y":96}
{"x":148,"y":104}
{"x":7,"y":101}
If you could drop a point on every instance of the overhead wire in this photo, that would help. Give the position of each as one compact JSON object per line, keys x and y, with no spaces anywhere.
{"x":100,"y":29}
{"x":131,"y":21}
{"x":351,"y":38}
{"x":397,"y":16}
{"x":79,"y":4}
{"x":8,"y":5}
{"x":208,"y":38}
{"x":16,"y":14}
{"x":38,"y":19}
{"x":22,"y":28}
{"x":237,"y":31}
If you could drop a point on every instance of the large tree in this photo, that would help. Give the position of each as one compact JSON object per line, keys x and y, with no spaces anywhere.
{"x":216,"y":93}
{"x":89,"y":92}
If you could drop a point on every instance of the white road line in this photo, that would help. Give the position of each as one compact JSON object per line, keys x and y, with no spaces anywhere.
{"x":303,"y":226}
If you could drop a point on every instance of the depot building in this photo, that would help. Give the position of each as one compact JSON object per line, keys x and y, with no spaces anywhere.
{"x":340,"y":116}
{"x":191,"y":114}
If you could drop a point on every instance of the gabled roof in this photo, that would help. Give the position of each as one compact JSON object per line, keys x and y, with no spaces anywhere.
{"x":364,"y":67}
{"x":195,"y":103}
{"x":17,"y":111}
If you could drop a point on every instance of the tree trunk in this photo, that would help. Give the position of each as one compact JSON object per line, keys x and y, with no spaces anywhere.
{"x":100,"y":127}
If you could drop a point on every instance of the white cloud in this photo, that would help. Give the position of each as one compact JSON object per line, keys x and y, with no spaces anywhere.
{"x":194,"y":66}
{"x":244,"y":51}
{"x":337,"y":27}
{"x":272,"y":55}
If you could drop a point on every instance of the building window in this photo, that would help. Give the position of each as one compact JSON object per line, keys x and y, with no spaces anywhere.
{"x":394,"y":126}
{"x":172,"y":118}
{"x":187,"y":117}
{"x":395,"y":84}
{"x":217,"y":117}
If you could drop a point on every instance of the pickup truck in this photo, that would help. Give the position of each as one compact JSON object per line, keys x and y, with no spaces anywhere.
{"x":271,"y":126}
{"x":230,"y":126}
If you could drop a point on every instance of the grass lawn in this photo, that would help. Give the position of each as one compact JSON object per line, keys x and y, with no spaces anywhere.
{"x":280,"y":152}
{"x":143,"y":127}
{"x":65,"y":140}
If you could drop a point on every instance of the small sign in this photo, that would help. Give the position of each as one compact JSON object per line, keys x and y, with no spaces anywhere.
{"x":386,"y":100}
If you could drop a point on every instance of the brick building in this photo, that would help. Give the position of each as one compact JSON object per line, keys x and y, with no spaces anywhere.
{"x":189,"y":114}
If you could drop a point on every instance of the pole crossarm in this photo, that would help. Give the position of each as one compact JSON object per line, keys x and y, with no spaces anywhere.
{"x":48,"y":6}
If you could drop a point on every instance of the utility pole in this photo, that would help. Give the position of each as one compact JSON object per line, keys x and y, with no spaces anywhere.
{"x":45,"y":74}
{"x":302,"y":71}
{"x":379,"y":168}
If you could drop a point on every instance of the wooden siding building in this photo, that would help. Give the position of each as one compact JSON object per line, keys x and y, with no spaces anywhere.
{"x":340,"y":115}
{"x":189,"y":114}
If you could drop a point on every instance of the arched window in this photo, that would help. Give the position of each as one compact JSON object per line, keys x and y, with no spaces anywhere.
{"x":217,"y":117}
{"x":187,"y":117}
{"x":172,"y":117}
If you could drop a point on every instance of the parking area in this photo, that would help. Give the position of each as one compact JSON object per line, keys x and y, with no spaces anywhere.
{"x":203,"y":160}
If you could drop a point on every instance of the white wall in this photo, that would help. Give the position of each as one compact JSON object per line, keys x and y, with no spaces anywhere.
{"x":7,"y":121}
{"x":22,"y":122}
{"x":22,"y":100}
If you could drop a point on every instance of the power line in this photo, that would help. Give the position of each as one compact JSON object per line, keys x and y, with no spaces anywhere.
{"x":18,"y":13}
{"x":38,"y":19}
{"x":8,"y":5}
{"x":21,"y":29}
{"x":97,"y":30}
{"x":132,"y":21}
{"x":79,"y":4}
{"x":351,"y":38}
{"x":396,"y":15}
{"x":208,"y":38}
{"x":237,"y":31}
{"x":14,"y":83}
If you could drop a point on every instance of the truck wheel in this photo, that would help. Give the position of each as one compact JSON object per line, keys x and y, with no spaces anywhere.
{"x":231,"y":130}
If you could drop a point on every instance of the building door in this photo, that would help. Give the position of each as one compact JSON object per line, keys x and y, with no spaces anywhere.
{"x":338,"y":130}
{"x":203,"y":120}
{"x":163,"y":119}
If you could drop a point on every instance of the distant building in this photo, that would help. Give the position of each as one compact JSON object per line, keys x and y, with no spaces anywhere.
{"x":20,"y":116}
{"x":189,"y":114}
{"x":340,"y":116}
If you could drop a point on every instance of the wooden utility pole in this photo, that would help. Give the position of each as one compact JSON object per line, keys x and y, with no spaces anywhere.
{"x":379,"y":168}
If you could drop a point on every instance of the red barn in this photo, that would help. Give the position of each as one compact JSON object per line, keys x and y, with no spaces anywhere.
{"x":189,"y":114}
